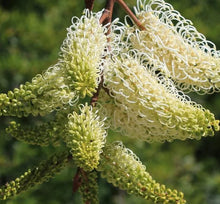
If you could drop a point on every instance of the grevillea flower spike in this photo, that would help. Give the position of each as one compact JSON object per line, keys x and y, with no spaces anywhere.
{"x":130,"y":76}
{"x":77,"y":73}
{"x":85,"y":137}
{"x":146,"y":105}
{"x":121,"y":167}
{"x":191,"y":60}
{"x":82,"y":53}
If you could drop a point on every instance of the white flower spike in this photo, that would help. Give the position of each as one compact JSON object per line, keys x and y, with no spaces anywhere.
{"x":146,"y":105}
{"x":193,"y":62}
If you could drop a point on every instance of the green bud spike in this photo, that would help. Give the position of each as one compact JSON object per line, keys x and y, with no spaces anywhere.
{"x":40,"y":174}
{"x":123,"y":169}
{"x":43,"y":135}
{"x":44,"y":94}
{"x":49,"y":133}
{"x":85,"y":137}
{"x":89,"y":187}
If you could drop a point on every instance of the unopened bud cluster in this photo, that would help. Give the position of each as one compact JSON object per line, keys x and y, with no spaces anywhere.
{"x":85,"y":137}
{"x":123,"y":169}
{"x":37,"y":175}
{"x":89,"y":187}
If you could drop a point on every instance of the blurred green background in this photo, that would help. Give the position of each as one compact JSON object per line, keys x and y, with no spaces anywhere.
{"x":31,"y":33}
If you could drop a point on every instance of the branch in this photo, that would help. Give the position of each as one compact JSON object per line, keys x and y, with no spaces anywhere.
{"x":131,"y":14}
{"x":89,"y":4}
{"x":94,"y":99}
{"x":107,"y":14}
{"x":106,"y":18}
{"x":76,"y":180}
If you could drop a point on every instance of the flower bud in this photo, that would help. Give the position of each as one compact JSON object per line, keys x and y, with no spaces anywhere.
{"x":121,"y":167}
{"x":85,"y":137}
{"x":37,"y":175}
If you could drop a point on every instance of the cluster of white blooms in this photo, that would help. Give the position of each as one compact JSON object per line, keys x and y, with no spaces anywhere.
{"x":191,"y":60}
{"x":144,"y":104}
{"x":145,"y":70}
{"x":76,"y":75}
{"x":82,"y":53}
{"x":135,"y":75}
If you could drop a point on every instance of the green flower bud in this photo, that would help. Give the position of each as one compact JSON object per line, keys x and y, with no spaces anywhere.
{"x":48,"y":133}
{"x":44,"y":94}
{"x":77,"y":73}
{"x":85,"y":137}
{"x":38,"y":175}
{"x":123,"y":169}
{"x":43,"y":135}
{"x":89,"y":187}
{"x":191,"y":60}
{"x":146,"y":105}
{"x":82,"y":52}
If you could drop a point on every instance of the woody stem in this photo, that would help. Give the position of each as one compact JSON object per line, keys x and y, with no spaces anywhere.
{"x":130,"y":13}
{"x":89,"y":4}
{"x":106,"y":18}
{"x":107,"y":14}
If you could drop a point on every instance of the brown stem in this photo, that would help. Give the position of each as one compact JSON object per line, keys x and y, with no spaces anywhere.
{"x":94,"y":98}
{"x":107,"y":14}
{"x":131,"y":14}
{"x":89,"y":4}
{"x":77,"y":180}
{"x":106,"y":18}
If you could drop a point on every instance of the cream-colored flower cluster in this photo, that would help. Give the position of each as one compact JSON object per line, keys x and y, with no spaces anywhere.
{"x":82,"y":53}
{"x":135,"y":75}
{"x":191,"y":60}
{"x":75,"y":76}
{"x":148,"y":102}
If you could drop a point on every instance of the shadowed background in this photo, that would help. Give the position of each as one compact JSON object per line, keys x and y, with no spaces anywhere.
{"x":31,"y":33}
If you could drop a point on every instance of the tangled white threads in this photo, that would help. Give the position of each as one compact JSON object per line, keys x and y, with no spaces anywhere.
{"x":146,"y":105}
{"x":83,"y":51}
{"x":193,"y":62}
{"x":54,"y":87}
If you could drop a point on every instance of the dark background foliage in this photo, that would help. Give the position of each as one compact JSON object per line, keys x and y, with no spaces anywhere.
{"x":31,"y":33}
